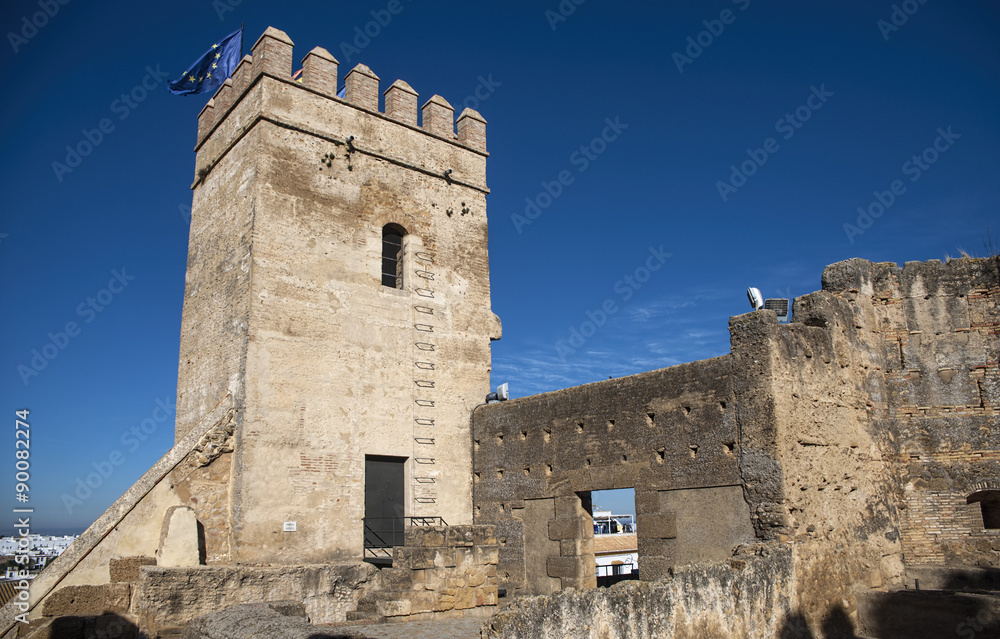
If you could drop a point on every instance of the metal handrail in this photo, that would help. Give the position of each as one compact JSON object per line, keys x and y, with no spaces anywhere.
{"x":377,"y":546}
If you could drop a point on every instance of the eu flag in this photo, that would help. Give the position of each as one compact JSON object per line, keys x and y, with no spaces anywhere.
{"x":210,"y":70}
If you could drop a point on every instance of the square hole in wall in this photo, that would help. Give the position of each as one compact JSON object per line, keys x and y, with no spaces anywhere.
{"x":615,"y":542}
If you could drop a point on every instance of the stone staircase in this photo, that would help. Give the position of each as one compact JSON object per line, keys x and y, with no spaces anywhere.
{"x":448,"y":570}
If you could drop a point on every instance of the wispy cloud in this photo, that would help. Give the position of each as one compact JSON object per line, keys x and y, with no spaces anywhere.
{"x":664,"y":332}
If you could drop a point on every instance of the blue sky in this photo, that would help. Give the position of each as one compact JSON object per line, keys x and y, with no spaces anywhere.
{"x":649,"y":161}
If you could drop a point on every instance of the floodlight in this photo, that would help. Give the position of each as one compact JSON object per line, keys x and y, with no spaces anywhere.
{"x":756,"y":299}
{"x":501,"y":395}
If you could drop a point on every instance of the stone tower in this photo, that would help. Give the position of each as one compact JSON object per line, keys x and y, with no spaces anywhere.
{"x":338,"y":298}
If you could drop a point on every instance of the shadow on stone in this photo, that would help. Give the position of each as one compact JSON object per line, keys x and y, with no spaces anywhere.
{"x":102,"y":627}
{"x":795,"y":627}
{"x":837,"y":625}
{"x":930,"y":614}
{"x":285,"y":619}
{"x":202,"y":545}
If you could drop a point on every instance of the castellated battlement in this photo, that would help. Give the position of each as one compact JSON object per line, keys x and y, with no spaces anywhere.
{"x":239,"y":103}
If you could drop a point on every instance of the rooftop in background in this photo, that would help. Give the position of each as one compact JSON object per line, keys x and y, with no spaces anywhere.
{"x":614,"y":544}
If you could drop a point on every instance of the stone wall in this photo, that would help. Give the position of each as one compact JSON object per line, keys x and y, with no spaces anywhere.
{"x":860,"y":435}
{"x":744,"y":598}
{"x":670,"y":434}
{"x":937,"y":411}
{"x":815,"y":449}
{"x":171,"y":597}
{"x":941,"y":324}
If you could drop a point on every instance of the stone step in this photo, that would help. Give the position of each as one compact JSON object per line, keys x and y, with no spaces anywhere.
{"x":364,"y":616}
{"x":369,"y":602}
{"x":395,"y":578}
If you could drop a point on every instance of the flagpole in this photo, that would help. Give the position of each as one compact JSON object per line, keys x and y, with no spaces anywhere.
{"x":242,"y":24}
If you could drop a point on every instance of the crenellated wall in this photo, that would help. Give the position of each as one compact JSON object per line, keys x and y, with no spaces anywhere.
{"x":272,"y":56}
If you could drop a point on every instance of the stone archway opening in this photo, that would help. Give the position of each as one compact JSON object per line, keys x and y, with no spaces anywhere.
{"x":989,"y":502}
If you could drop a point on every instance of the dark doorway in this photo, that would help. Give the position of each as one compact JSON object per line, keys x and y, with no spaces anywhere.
{"x":384,"y":506}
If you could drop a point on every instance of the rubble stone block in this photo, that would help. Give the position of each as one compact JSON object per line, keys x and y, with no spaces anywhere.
{"x":560,"y":529}
{"x":487,"y":555}
{"x":465,"y":599}
{"x":424,"y":536}
{"x":477,"y":577}
{"x":413,"y":558}
{"x":129,"y":568}
{"x":486,"y":596}
{"x":422,"y":602}
{"x":117,"y":597}
{"x":444,"y":602}
{"x":652,"y":568}
{"x":484,"y":535}
{"x":446,"y":558}
{"x":393,"y":607}
{"x":80,"y":601}
{"x":563,"y":567}
{"x":435,"y":579}
{"x":661,"y":526}
{"x":465,"y":556}
{"x":458,"y":536}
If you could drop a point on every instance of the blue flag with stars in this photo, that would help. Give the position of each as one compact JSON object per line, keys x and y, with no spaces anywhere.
{"x":210,"y":70}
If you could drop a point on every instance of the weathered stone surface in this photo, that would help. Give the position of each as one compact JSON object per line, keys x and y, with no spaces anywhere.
{"x":81,"y":601}
{"x":173,"y":596}
{"x":755,"y":604}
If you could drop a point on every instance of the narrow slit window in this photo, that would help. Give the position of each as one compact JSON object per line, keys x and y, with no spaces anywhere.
{"x":392,"y":256}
